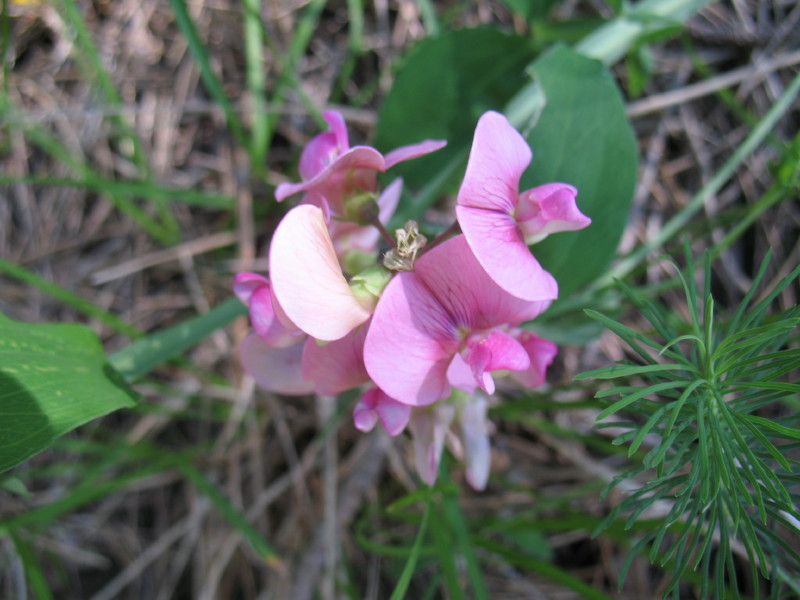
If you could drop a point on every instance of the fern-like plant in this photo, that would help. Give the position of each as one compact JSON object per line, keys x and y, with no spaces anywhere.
{"x":728,"y":467}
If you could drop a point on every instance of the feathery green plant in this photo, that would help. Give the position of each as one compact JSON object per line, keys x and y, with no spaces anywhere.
{"x":721,"y":463}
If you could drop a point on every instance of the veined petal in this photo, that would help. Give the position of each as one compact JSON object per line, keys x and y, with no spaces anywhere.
{"x":467,"y":292}
{"x":498,"y":157}
{"x":500,"y":248}
{"x":475,"y":437}
{"x":307,"y":279}
{"x":375,"y":405}
{"x":459,"y":375}
{"x":410,"y":342}
{"x":274,"y":369}
{"x":338,"y":365}
{"x":413,"y":151}
{"x":541,"y":353}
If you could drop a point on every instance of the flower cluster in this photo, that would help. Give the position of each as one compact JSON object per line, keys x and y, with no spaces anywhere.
{"x":425,"y":331}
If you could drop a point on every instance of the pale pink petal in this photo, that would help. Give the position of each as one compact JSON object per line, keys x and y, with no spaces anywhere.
{"x":498,"y":157}
{"x":307,"y":279}
{"x":428,"y":428}
{"x":541,"y":353}
{"x":336,"y":366}
{"x":415,"y":150}
{"x":359,"y":157}
{"x":467,"y":292}
{"x":410,"y":343}
{"x":374,"y":405}
{"x":274,"y":369}
{"x":500,"y":248}
{"x":547,"y":209}
{"x":475,"y":437}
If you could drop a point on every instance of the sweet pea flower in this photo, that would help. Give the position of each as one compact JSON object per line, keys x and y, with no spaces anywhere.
{"x":443,"y":323}
{"x":308,"y":281}
{"x":266,"y":315}
{"x":334,"y":171}
{"x":500,"y":222}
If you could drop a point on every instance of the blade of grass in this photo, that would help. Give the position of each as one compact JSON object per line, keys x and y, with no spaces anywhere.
{"x":255,"y":73}
{"x":679,"y":221}
{"x":146,"y":354}
{"x":68,"y":298}
{"x":141,"y":189}
{"x":458,"y":525}
{"x":231,"y":513}
{"x":210,"y":79}
{"x":408,"y":570}
{"x":33,"y":570}
{"x":96,"y":70}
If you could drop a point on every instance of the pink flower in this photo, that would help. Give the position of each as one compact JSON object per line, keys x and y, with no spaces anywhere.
{"x":307,"y":279}
{"x":499,"y":222}
{"x":331,"y":168}
{"x":376,"y":406}
{"x":446,"y":314}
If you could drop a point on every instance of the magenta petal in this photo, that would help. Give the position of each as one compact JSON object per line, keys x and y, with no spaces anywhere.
{"x":375,"y":404}
{"x":498,"y":157}
{"x":459,"y":375}
{"x":274,"y":369}
{"x":474,"y":435}
{"x":320,"y":151}
{"x":478,"y":359}
{"x":467,"y":292}
{"x":338,"y":128}
{"x":541,"y":353}
{"x":428,"y":428}
{"x":500,"y":248}
{"x":547,"y":209}
{"x":244,"y":284}
{"x":410,"y":342}
{"x":336,"y":366}
{"x":266,"y":323}
{"x":307,"y":279}
{"x":359,"y":157}
{"x":415,"y":150}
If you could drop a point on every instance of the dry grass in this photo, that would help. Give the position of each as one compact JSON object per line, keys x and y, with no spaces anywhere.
{"x":158,"y":538}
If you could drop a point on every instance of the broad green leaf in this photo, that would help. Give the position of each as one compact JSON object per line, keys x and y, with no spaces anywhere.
{"x":53,"y":378}
{"x":445,"y":84}
{"x":583,"y":138}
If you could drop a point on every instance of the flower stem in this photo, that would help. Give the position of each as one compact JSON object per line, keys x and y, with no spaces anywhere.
{"x":447,"y":233}
{"x":384,"y":232}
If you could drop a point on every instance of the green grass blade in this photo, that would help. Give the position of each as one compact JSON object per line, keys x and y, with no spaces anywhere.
{"x":230,"y":512}
{"x":255,"y":73}
{"x":210,"y":79}
{"x":33,"y":570}
{"x":680,"y":220}
{"x":68,"y":298}
{"x":408,"y":570}
{"x":146,"y":354}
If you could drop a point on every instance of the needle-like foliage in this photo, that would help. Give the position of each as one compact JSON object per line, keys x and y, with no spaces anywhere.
{"x":715,"y":398}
